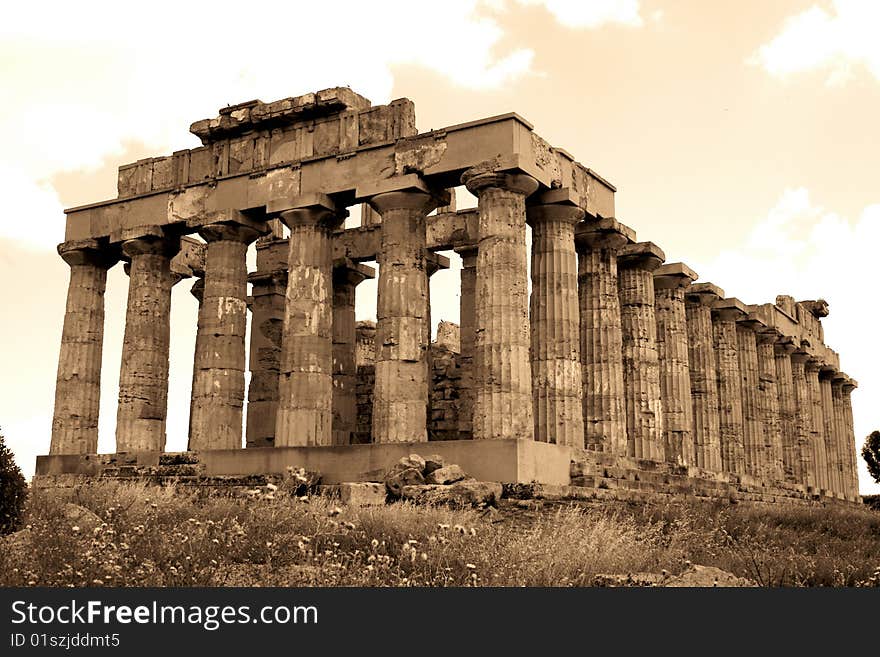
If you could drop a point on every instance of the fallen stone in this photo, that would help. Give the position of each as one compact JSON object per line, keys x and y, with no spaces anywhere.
{"x":399,"y":478}
{"x":412,"y":461}
{"x":78,"y":516}
{"x":434,"y":462}
{"x":446,"y":475}
{"x":459,"y":494}
{"x":357,"y":493}
{"x":707,"y":576}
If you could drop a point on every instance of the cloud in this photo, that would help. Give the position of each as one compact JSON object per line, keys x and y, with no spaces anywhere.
{"x":818,"y":40}
{"x":591,"y":13}
{"x":802,"y":249}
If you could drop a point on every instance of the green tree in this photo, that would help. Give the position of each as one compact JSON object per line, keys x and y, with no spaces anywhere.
{"x":13,"y":491}
{"x":871,"y":454}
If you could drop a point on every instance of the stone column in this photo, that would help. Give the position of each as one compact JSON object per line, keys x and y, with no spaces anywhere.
{"x":788,"y":413}
{"x":641,"y":369}
{"x":832,"y":448}
{"x":699,"y":299}
{"x":817,"y":423}
{"x":434,"y":262}
{"x":268,"y":294}
{"x":218,"y":395}
{"x":143,"y":374}
{"x":769,"y":405}
{"x":803,"y":419}
{"x":198,"y":291}
{"x":401,"y":390}
{"x":467,"y":319}
{"x":555,"y":326}
{"x":347,"y":275}
{"x":502,"y":371}
{"x":305,"y":384}
{"x":725,"y":313}
{"x":670,"y":287}
{"x":78,"y":384}
{"x":753,"y":428}
{"x":844,"y":448}
{"x":850,"y":438}
{"x":598,"y":243}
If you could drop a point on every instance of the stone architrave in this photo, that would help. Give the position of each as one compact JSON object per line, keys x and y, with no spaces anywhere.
{"x":598,"y":242}
{"x":555,"y":325}
{"x":78,"y":383}
{"x":725,"y":313}
{"x":641,"y":368}
{"x":699,"y":299}
{"x":502,"y":375}
{"x":671,"y":282}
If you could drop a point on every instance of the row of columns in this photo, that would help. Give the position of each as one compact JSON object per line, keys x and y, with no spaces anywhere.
{"x":611,"y":352}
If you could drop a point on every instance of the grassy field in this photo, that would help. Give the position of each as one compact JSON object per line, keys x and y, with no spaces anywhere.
{"x":150,"y":536}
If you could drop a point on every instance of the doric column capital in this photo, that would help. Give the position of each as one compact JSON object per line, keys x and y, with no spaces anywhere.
{"x":673,"y":275}
{"x":310,"y":210}
{"x":268,"y":282}
{"x":752,"y":322}
{"x":784,"y":346}
{"x":641,"y":255}
{"x":228,"y":225}
{"x":468,"y":255}
{"x":729,"y":310}
{"x":768,"y":336}
{"x":704,"y":294}
{"x":348,"y":272}
{"x":407,"y":192}
{"x":800,"y":357}
{"x":606,"y":232}
{"x":434,"y":262}
{"x":813,"y":364}
{"x":477,"y":179}
{"x":827,"y":372}
{"x":198,"y":289}
{"x":571,"y":214}
{"x":86,"y":252}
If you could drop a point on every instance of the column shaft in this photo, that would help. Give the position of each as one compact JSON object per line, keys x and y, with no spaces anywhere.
{"x":467,"y":319}
{"x":850,"y":441}
{"x":753,"y":430}
{"x":730,"y":411}
{"x":769,"y":404}
{"x":817,"y":425}
{"x":703,"y":375}
{"x":788,"y":412}
{"x":502,"y":370}
{"x":78,"y":383}
{"x":832,"y":449}
{"x":555,"y":331}
{"x":803,"y":420}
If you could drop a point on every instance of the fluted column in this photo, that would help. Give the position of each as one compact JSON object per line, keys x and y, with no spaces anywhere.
{"x":850,"y":438}
{"x":198,"y":291}
{"x":467,"y":319}
{"x":753,"y":429}
{"x":699,"y":299}
{"x":769,"y":406}
{"x":832,"y":448}
{"x":725,"y":313}
{"x":268,"y":294}
{"x":803,"y":419}
{"x":555,"y":326}
{"x":347,"y":275}
{"x":641,"y":369}
{"x":78,"y":383}
{"x":502,"y":371}
{"x":844,"y":448}
{"x":671,"y":282}
{"x":218,"y":396}
{"x":598,"y":243}
{"x":817,"y":424}
{"x":143,"y":374}
{"x":401,"y":390}
{"x":788,"y":412}
{"x":305,"y":383}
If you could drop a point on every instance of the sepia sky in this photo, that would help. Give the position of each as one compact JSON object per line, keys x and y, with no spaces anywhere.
{"x":742,"y":137}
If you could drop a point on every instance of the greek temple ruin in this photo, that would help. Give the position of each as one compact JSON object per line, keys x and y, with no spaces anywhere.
{"x":587,"y":362}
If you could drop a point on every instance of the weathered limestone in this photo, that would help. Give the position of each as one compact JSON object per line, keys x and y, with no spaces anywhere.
{"x":840,"y":431}
{"x":769,"y":407}
{"x":803,"y":419}
{"x":783,"y":350}
{"x":641,"y":370}
{"x":832,"y":448}
{"x":670,"y":287}
{"x":305,"y":385}
{"x":401,"y":391}
{"x":555,"y":326}
{"x":467,"y":336}
{"x":598,"y":243}
{"x":268,"y":294}
{"x":817,"y":424}
{"x":347,"y":276}
{"x":849,"y":438}
{"x":78,"y":384}
{"x":502,"y":371}
{"x":218,"y":397}
{"x":198,"y":291}
{"x":725,"y":313}
{"x":753,"y":429}
{"x":143,"y":375}
{"x":699,"y":299}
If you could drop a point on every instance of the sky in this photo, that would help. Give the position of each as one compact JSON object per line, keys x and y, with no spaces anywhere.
{"x":741,"y":135}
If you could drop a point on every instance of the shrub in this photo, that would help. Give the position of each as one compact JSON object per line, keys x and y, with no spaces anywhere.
{"x":13,"y":491}
{"x":871,"y":454}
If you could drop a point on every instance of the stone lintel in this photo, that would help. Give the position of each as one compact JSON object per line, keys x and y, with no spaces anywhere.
{"x":673,"y":275}
{"x":753,"y":321}
{"x":434,"y":262}
{"x":355,"y":267}
{"x":645,"y":255}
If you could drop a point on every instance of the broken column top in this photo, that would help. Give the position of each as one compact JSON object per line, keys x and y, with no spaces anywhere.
{"x":674,"y":274}
{"x":648,"y":253}
{"x":818,"y":307}
{"x":605,"y":225}
{"x":257,"y":115}
{"x":709,"y":289}
{"x":732,"y":307}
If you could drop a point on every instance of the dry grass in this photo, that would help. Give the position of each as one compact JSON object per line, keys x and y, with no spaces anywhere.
{"x":149,"y":536}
